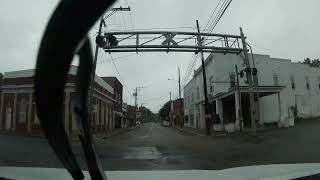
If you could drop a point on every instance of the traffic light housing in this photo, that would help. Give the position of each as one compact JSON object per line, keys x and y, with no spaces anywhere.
{"x":101,"y":41}
{"x":112,"y":40}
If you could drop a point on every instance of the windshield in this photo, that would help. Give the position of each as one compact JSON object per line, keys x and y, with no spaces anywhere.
{"x":171,"y":85}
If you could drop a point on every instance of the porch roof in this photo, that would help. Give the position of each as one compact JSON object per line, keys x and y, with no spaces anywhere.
{"x":261,"y":90}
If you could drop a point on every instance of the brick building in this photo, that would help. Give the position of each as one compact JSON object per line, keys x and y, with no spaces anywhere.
{"x":117,"y":96}
{"x":177,"y":111}
{"x":131,"y":115}
{"x":18,"y":110}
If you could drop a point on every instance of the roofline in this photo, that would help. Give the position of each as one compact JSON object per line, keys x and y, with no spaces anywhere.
{"x":72,"y":71}
{"x":114,"y":78}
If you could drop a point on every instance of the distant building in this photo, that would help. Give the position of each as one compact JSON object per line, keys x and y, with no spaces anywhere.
{"x":283,"y":90}
{"x":117,"y":96}
{"x":177,"y":111}
{"x":124,"y":121}
{"x":18,"y":110}
{"x":131,"y":115}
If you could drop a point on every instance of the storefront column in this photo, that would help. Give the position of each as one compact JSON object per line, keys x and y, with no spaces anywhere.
{"x":66,"y":112}
{"x":29,"y":112}
{"x":219,"y":109}
{"x":279,"y":110}
{"x":14,"y":111}
{"x":1,"y":110}
{"x":219,"y":112}
{"x":97,"y":114}
{"x":107,"y":117}
{"x":102,"y":116}
{"x":237,"y":109}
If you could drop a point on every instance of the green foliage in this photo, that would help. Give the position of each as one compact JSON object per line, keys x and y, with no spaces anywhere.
{"x":311,"y":63}
{"x":165,"y":110}
{"x":1,"y":79}
{"x":147,"y":114}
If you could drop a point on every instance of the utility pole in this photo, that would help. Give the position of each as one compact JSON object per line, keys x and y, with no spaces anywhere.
{"x":250,"y":83}
{"x":179,"y":83}
{"x":239,"y":98}
{"x":170,"y":112}
{"x":135,"y":94}
{"x":94,"y":65}
{"x":180,"y":102}
{"x":206,"y":103}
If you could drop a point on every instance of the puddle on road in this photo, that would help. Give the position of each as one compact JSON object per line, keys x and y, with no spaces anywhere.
{"x":142,"y":153}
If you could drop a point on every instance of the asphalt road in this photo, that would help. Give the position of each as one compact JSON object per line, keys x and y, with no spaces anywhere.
{"x":153,"y":147}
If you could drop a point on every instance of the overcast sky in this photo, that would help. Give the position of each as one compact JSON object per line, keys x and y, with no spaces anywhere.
{"x":279,"y":28}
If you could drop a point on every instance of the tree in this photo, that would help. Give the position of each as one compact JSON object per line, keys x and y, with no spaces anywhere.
{"x":311,"y":63}
{"x":1,"y":79}
{"x":165,"y":110}
{"x":147,"y":114}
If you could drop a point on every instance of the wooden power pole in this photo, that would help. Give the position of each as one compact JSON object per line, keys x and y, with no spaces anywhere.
{"x":205,"y":93}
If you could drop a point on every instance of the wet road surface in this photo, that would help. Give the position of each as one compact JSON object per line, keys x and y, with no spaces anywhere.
{"x":153,"y":147}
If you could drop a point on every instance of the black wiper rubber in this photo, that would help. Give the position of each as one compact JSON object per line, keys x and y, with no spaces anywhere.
{"x":83,"y":113}
{"x":67,"y":27}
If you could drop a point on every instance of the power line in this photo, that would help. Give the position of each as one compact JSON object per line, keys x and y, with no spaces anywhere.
{"x":194,"y":57}
{"x":190,"y":69}
{"x":211,"y":16}
{"x":115,"y":66}
{"x":212,"y":24}
{"x":124,"y":22}
{"x":218,"y":16}
{"x":226,"y":7}
{"x":131,"y":19}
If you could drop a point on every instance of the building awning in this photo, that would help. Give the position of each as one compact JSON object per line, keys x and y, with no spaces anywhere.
{"x":261,"y":90}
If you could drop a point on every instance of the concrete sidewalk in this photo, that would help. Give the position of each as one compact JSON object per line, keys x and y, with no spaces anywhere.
{"x":201,"y":132}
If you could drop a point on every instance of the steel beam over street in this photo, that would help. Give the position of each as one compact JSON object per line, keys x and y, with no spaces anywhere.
{"x":166,"y":41}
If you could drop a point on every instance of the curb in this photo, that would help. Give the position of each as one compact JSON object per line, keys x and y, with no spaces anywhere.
{"x":212,"y":135}
{"x":189,"y":131}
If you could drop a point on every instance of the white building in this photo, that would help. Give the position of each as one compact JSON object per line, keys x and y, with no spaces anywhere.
{"x":280,"y":81}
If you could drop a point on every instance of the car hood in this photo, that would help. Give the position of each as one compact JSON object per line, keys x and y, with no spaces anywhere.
{"x":279,"y":171}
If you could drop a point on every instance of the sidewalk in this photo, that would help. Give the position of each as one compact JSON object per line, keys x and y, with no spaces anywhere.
{"x":200,"y":132}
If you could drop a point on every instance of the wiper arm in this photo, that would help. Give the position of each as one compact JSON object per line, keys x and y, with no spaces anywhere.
{"x":67,"y":27}
{"x":83,"y":114}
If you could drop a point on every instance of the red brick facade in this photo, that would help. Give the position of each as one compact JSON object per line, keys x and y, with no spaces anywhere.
{"x":131,"y":115}
{"x":177,"y":111}
{"x":18,"y":110}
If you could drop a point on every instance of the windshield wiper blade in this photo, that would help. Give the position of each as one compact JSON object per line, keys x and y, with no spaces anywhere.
{"x":66,"y":29}
{"x":83,"y":112}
